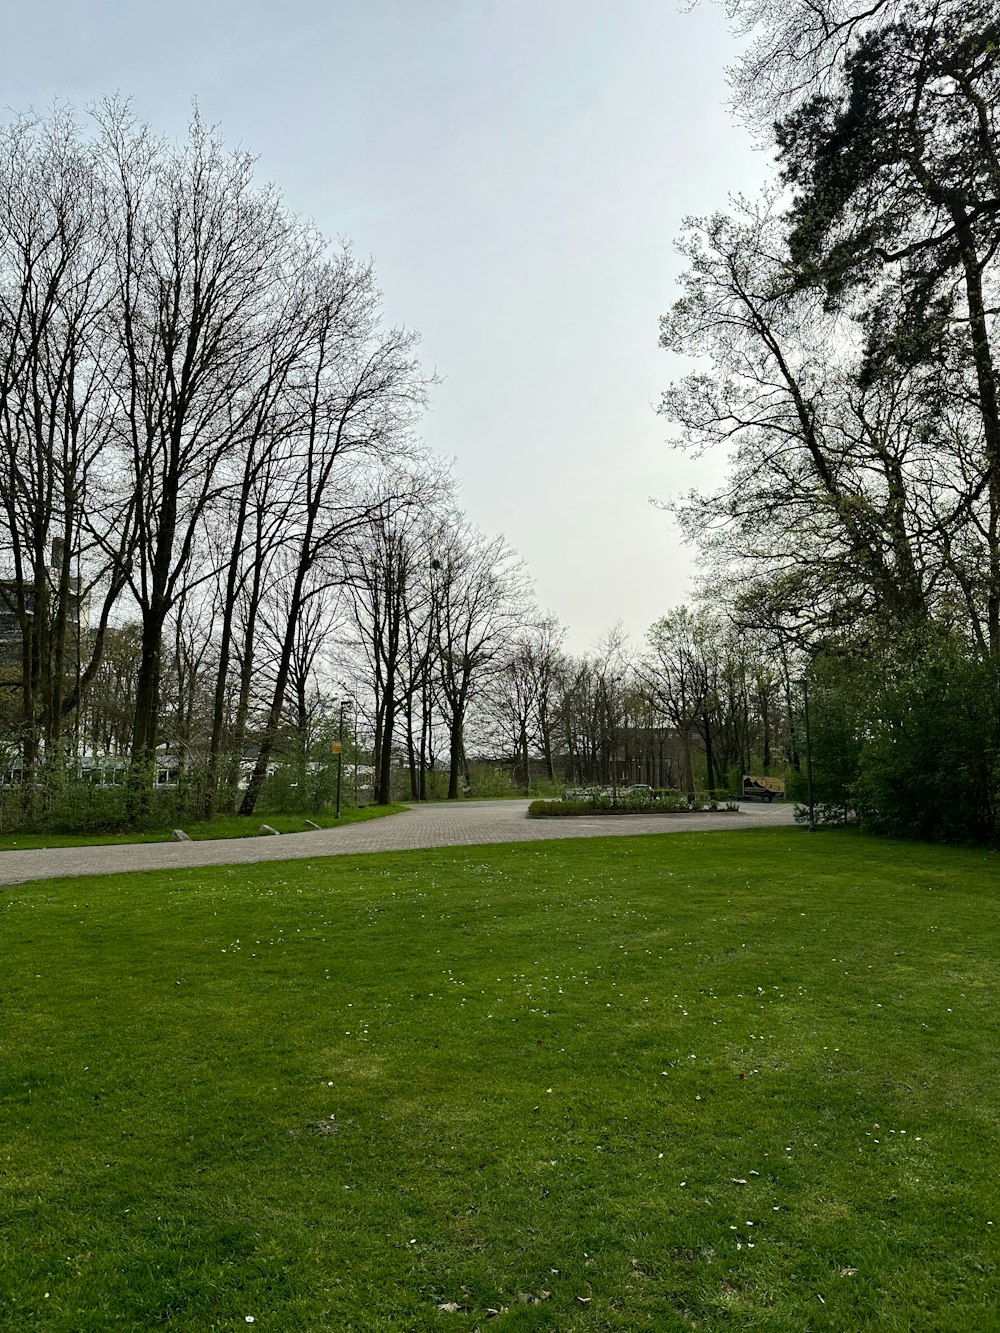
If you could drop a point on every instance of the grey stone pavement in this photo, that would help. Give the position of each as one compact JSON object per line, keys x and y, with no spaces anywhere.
{"x":468,"y":823}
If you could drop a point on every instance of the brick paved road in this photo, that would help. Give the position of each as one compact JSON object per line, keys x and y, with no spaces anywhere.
{"x":420,"y":826}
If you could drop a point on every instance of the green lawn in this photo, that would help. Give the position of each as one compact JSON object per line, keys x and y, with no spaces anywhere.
{"x":716,"y":1081}
{"x":222,"y":826}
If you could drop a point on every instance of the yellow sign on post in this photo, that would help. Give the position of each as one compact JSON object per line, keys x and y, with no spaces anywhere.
{"x":336,"y":747}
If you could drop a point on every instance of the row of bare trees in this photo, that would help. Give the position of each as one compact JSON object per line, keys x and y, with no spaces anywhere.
{"x":434,"y":607}
{"x":408,"y":627}
{"x":216,"y":519}
{"x":195,"y":393}
{"x":693,"y":707}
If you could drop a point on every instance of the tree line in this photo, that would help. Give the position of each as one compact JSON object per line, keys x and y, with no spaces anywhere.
{"x":846,"y":322}
{"x":218,"y":521}
{"x":199,"y":403}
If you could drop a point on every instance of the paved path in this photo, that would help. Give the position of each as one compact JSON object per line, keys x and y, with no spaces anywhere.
{"x":469,"y":822}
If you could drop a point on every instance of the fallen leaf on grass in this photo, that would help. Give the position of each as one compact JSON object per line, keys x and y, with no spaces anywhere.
{"x":848,"y":1272}
{"x":450,"y":1307}
{"x":584,"y":1300}
{"x":737,"y":1180}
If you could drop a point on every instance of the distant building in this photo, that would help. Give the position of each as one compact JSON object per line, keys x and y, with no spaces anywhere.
{"x":78,"y":609}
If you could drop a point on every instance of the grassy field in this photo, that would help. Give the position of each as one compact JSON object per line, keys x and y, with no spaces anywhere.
{"x":716,"y":1081}
{"x":222,"y":826}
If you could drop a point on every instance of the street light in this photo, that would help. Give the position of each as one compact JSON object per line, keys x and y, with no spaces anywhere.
{"x":344,"y":703}
{"x":809,"y":768}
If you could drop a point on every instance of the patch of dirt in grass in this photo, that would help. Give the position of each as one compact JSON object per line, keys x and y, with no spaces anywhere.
{"x":324,"y":1128}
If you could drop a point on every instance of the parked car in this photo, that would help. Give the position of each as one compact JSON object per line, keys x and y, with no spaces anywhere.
{"x":763,"y":788}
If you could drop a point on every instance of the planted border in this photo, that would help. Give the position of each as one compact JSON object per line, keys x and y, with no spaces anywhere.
{"x":568,"y":809}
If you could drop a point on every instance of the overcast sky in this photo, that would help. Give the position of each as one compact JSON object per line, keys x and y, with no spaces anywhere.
{"x":518,"y":171}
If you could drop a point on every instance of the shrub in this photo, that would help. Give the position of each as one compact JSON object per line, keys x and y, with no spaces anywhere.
{"x":908,"y":740}
{"x":82,"y":807}
{"x":65,"y":803}
{"x":929,"y":766}
{"x":301,"y":784}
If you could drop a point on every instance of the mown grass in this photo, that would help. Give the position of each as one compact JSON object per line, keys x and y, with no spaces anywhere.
{"x":339,"y":1095}
{"x":222,"y":826}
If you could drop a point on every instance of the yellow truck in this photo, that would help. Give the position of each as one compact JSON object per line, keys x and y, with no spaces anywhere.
{"x":762,"y":788}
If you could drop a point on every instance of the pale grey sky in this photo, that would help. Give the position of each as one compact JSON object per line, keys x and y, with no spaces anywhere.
{"x":518,"y":171}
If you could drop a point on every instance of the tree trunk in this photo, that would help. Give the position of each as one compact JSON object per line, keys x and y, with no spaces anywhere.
{"x":990,"y":413}
{"x":454,"y":757}
{"x":295,"y":603}
{"x":411,"y":752}
{"x":384,"y":792}
{"x":710,"y":766}
{"x":425,"y":741}
{"x":687,"y":773}
{"x":221,"y":683}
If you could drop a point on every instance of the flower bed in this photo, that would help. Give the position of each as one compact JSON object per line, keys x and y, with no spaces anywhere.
{"x":601,"y":806}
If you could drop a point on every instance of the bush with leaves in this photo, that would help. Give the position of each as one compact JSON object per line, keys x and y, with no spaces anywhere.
{"x":928,"y":766}
{"x":840,"y":694}
{"x":907,"y":740}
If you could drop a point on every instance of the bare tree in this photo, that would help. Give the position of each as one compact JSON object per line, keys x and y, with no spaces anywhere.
{"x":389,"y":590}
{"x":256,"y":513}
{"x":674,"y":669}
{"x":885,"y":119}
{"x":354,"y":403}
{"x":856,"y":493}
{"x":200,"y":256}
{"x":480,"y":594}
{"x":55,"y":421}
{"x":522,"y":699}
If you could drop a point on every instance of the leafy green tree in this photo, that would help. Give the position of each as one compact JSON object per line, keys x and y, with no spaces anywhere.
{"x":839,"y":685}
{"x":928,"y":765}
{"x":907,"y":738}
{"x":894,"y":158}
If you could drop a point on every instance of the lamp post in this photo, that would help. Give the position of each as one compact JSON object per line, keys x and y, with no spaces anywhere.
{"x":809,"y":768}
{"x":344,"y":703}
{"x":354,"y":735}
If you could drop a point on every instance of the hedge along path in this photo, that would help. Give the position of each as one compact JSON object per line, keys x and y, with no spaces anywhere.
{"x":438,"y":825}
